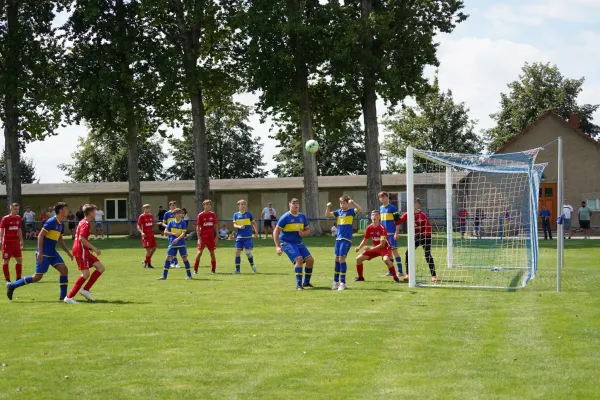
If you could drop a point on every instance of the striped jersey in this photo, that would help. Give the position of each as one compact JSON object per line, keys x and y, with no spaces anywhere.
{"x":387,"y":217}
{"x":345,"y":219}
{"x":54,"y":229}
{"x":244,"y":219}
{"x":177,"y":228}
{"x":291,"y":225}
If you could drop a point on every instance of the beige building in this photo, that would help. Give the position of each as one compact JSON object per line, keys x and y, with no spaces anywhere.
{"x":581,"y":160}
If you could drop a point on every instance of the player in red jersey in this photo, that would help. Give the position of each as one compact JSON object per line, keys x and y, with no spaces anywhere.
{"x":206,"y":229}
{"x":11,"y":238}
{"x":82,"y":251}
{"x":422,"y":237}
{"x":381,"y":248}
{"x":144,"y":226}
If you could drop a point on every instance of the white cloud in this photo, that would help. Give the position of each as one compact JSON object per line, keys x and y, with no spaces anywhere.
{"x":538,"y":12}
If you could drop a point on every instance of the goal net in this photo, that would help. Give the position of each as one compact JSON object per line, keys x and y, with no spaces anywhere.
{"x":472,"y":219}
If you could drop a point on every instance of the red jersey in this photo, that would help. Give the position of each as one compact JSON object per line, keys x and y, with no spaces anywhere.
{"x":375,"y":234}
{"x":206,"y":223}
{"x":462,"y":216}
{"x":422,"y":225}
{"x":83,"y":231}
{"x":146,"y":222}
{"x":11,"y":226}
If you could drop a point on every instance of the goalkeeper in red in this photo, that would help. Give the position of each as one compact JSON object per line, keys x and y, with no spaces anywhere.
{"x":206,"y":229}
{"x":381,"y":247}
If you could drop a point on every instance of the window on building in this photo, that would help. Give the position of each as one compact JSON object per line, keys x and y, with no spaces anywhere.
{"x":115,"y":209}
{"x":594,"y":204}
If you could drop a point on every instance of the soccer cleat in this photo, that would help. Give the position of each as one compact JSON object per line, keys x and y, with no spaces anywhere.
{"x":299,"y":288}
{"x":253,"y":268}
{"x":388,"y":274}
{"x":342,"y":286}
{"x":195,"y":272}
{"x":189,"y":278}
{"x":213,"y":272}
{"x":434,"y":279}
{"x":359,"y":279}
{"x":69,"y":300}
{"x":144,"y":264}
{"x":406,"y":278}
{"x":236,"y":272}
{"x":162,"y":278}
{"x":87,"y":295}
{"x":9,"y":291}
{"x":396,"y":280}
{"x":150,"y":266}
{"x":307,"y":285}
{"x":335,"y":285}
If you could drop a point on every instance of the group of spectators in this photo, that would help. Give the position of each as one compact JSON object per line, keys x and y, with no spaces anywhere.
{"x":34,"y":223}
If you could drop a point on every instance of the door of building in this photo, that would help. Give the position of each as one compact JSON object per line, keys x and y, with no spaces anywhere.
{"x":548,"y":198}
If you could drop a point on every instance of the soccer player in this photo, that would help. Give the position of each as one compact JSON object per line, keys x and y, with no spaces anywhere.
{"x":176,"y":230}
{"x":345,"y":217}
{"x":206,"y":229}
{"x":290,"y":229}
{"x":381,"y":248}
{"x":11,"y":238}
{"x":422,"y":237}
{"x":387,"y":211}
{"x":245,"y":224}
{"x":168,"y":217}
{"x":46,"y":254}
{"x":144,"y":226}
{"x":82,"y":250}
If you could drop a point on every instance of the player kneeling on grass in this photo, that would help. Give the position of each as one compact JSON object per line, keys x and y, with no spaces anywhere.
{"x":206,"y":229}
{"x":82,"y":250}
{"x":144,"y":226}
{"x":291,"y":227}
{"x":176,"y":231}
{"x":381,"y":248}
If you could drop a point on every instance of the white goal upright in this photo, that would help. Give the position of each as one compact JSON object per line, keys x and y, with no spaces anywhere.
{"x":482,"y":212}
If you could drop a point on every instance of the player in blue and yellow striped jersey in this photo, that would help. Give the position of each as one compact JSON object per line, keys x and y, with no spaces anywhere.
{"x":46,"y":254}
{"x":176,"y":231}
{"x":245,"y":224}
{"x":167,"y":218}
{"x":387,"y":210}
{"x":292,"y":226}
{"x":345,"y":218}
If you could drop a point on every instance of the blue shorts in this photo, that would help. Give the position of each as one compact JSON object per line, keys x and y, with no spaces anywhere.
{"x":172,"y":251}
{"x":52,"y":259}
{"x":295,"y":251}
{"x":393,"y":242}
{"x":342,"y":247}
{"x":244,"y":243}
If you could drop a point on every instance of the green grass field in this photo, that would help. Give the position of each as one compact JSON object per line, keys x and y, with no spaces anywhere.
{"x":256,"y":337}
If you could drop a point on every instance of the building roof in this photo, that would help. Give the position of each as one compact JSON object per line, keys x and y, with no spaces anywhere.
{"x":548,"y":114}
{"x":222,"y":185}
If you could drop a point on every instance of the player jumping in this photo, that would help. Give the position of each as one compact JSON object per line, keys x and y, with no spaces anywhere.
{"x":144,"y":226}
{"x":46,"y":254}
{"x":82,"y":250}
{"x":381,"y":248}
{"x":245,"y":224}
{"x":11,"y":239}
{"x":176,"y":231}
{"x":291,"y":227}
{"x":345,"y":218}
{"x":206,"y":229}
{"x":169,"y":217}
{"x":387,"y":211}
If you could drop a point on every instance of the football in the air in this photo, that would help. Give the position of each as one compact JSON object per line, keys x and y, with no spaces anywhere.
{"x":312,"y":146}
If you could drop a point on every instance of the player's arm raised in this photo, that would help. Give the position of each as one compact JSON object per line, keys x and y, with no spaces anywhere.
{"x":276,"y":233}
{"x":328,"y":211}
{"x":356,"y":206}
{"x":63,"y":245}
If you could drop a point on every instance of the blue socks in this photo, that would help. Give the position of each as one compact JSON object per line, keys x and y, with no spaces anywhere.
{"x":251,"y":260}
{"x":166,"y":268}
{"x":22,"y":282}
{"x":307,"y":275}
{"x":343,"y":268}
{"x":175,"y":262}
{"x":63,"y":281}
{"x":237,"y":263}
{"x":187,"y":268}
{"x":336,"y":275}
{"x":399,"y":264}
{"x":298,"y":271}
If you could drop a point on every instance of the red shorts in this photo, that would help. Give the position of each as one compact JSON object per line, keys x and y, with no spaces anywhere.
{"x":11,"y":250}
{"x":377,"y":253}
{"x":149,"y":241}
{"x":209,"y":243}
{"x":86,"y":260}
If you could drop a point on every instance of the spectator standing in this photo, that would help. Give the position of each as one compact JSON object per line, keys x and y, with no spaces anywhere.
{"x":160,"y":216}
{"x":269,"y":216}
{"x":29,"y":219}
{"x":79,"y":215}
{"x":545,"y":215}
{"x":567,"y":212}
{"x":585,"y":216}
{"x":71,"y":219}
{"x":100,"y":224}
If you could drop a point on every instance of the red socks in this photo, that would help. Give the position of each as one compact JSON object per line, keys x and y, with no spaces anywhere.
{"x":76,"y":287}
{"x":393,"y":272}
{"x":196,"y":266}
{"x":19,"y":269}
{"x":93,"y":279}
{"x":213,"y":265}
{"x":148,"y":260}
{"x":6,"y":272}
{"x":359,"y":269}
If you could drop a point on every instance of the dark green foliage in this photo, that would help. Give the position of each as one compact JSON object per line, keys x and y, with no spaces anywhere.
{"x":27,"y":170}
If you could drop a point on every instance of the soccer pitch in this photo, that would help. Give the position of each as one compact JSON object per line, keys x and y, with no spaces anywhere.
{"x":256,"y":337}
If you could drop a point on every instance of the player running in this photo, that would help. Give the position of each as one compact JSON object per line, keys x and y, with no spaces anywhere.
{"x":245,"y":224}
{"x":82,"y":250}
{"x":144,"y":226}
{"x":422,"y":237}
{"x":11,"y":239}
{"x":206,"y":229}
{"x":345,"y":217}
{"x":176,"y":231}
{"x":169,"y":217}
{"x":387,"y":211}
{"x":290,"y":229}
{"x":381,"y":248}
{"x":46,"y":254}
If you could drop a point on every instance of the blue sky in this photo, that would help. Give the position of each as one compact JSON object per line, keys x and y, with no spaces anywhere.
{"x":477,"y":61}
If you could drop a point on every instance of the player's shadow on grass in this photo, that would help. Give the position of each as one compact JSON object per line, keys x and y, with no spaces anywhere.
{"x":117,"y":302}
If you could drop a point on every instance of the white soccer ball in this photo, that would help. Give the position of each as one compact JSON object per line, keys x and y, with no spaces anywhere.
{"x":312,"y":146}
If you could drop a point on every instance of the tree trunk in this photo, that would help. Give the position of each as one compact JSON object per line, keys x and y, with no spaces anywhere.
{"x":201,"y":178}
{"x":133,"y":173}
{"x":11,"y":123}
{"x":369,"y":106}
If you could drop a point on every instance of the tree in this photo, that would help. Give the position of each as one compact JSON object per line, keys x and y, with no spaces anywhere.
{"x":436,"y":123}
{"x":101,"y":160}
{"x":541,"y":87}
{"x":381,"y":47}
{"x":27,"y":170}
{"x":232,"y":151}
{"x":31,"y":93}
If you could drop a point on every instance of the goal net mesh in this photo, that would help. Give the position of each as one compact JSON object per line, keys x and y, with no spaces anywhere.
{"x":482,"y":212}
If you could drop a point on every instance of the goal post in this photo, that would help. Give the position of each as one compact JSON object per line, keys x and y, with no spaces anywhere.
{"x":472,"y":219}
